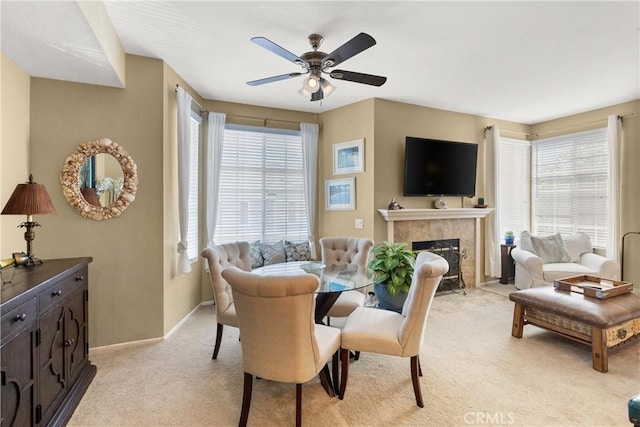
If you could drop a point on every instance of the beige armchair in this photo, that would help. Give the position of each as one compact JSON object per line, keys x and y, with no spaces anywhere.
{"x":541,"y":260}
{"x":219,"y":257}
{"x":387,"y":332}
{"x":280,"y":340}
{"x":342,"y":251}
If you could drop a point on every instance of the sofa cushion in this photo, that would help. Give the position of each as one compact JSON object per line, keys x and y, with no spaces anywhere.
{"x":562,"y":270}
{"x":255,"y":253}
{"x":274,"y":253}
{"x":576,"y":245}
{"x":525,"y":242}
{"x":297,"y":251}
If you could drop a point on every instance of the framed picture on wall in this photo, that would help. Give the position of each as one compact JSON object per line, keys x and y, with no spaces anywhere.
{"x":340,"y":194}
{"x":348,"y":157}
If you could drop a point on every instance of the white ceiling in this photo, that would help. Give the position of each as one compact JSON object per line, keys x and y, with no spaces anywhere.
{"x":525,"y":61}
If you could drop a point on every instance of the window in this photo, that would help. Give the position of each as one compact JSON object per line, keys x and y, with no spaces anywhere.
{"x":192,"y":233}
{"x":515,"y":186}
{"x":569,"y":185}
{"x":261,"y":186}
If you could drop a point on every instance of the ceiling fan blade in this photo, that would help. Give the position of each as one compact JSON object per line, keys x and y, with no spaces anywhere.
{"x":273,"y":79}
{"x":278,"y":50}
{"x":352,"y":76}
{"x":351,"y":48}
{"x":317,"y":96}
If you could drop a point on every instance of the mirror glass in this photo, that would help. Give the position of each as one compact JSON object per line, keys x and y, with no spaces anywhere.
{"x":99,"y":179}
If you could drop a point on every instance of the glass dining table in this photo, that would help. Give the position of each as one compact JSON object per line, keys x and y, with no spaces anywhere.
{"x":334,"y":279}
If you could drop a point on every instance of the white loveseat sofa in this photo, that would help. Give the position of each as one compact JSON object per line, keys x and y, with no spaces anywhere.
{"x":541,"y":260}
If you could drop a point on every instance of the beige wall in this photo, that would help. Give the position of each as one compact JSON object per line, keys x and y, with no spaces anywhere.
{"x":126,"y":276}
{"x":14,"y":150}
{"x":348,"y":123}
{"x":629,"y":166}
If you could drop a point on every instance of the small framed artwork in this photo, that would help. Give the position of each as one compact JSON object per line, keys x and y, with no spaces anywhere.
{"x":348,"y":157}
{"x":340,"y":194}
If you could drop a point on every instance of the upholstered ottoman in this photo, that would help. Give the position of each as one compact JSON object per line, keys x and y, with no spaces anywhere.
{"x":601,"y":323}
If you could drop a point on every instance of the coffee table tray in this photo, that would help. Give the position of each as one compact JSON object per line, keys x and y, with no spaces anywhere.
{"x":593,"y":286}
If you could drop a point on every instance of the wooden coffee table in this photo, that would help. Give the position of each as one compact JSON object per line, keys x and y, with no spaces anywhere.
{"x":601,"y":323}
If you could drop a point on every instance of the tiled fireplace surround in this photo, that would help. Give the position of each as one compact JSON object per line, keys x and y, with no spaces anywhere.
{"x":411,"y":225}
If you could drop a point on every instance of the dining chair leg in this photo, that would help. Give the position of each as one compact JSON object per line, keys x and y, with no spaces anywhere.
{"x":335,"y":365}
{"x":344,"y":355}
{"x":325,"y":380}
{"x":419,"y":366}
{"x":416,"y":381}
{"x":298,"y":405}
{"x":218,"y":341}
{"x":246,"y":399}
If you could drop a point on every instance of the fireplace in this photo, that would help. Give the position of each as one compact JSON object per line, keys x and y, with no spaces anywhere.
{"x":411,"y":225}
{"x":449,"y":249}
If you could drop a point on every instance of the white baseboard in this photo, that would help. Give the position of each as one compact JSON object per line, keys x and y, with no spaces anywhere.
{"x":153,"y":340}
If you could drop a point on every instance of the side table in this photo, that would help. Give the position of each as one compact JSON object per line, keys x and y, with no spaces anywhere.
{"x":508,"y":270}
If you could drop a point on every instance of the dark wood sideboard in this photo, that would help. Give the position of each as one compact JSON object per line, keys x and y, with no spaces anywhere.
{"x":44,"y":354}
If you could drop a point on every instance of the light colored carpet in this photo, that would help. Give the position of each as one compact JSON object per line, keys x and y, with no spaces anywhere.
{"x":475,"y":373}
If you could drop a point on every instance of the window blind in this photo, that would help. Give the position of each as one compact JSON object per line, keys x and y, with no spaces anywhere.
{"x":514,"y":186}
{"x":261,"y":186}
{"x":192,"y":231}
{"x":569,"y":185}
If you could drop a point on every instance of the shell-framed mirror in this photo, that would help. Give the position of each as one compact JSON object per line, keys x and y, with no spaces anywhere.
{"x":99,"y":179}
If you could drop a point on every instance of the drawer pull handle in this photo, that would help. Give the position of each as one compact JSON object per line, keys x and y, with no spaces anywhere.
{"x":20,"y":317}
{"x":79,"y":278}
{"x":56,"y":293}
{"x":69,"y":343}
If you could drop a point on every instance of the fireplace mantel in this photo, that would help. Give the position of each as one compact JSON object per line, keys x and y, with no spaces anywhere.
{"x":391,"y":216}
{"x":451,"y":213}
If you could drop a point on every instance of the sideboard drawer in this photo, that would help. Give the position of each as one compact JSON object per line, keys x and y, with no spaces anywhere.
{"x":18,"y":318}
{"x":59,"y":291}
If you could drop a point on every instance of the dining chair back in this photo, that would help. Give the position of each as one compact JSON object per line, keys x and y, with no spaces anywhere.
{"x":218,"y":258}
{"x":280,"y":340}
{"x":346,"y":251}
{"x":396,"y":334}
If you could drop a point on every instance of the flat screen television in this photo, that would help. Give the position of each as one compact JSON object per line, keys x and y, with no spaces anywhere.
{"x":435,"y":167}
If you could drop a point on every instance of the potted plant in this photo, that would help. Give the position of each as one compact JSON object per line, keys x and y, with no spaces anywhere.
{"x":392,"y":265}
{"x":508,"y":237}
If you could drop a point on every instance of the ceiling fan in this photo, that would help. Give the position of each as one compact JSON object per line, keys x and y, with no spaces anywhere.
{"x":315,"y":63}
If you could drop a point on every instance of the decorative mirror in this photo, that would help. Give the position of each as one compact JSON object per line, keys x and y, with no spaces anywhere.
{"x":99,"y":179}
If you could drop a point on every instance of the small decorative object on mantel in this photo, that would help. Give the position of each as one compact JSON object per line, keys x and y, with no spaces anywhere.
{"x":481,"y":203}
{"x":440,"y":203}
{"x":394,"y":206}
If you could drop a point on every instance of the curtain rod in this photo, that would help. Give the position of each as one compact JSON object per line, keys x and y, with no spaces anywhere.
{"x":202,"y":109}
{"x":536,"y":135}
{"x":620,"y":117}
{"x":263,"y":119}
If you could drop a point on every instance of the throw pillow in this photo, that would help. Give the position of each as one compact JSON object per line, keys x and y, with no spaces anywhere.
{"x":297,"y":251}
{"x":525,"y":242}
{"x":255,"y":253}
{"x":576,"y":245}
{"x":550,"y":249}
{"x":274,"y":253}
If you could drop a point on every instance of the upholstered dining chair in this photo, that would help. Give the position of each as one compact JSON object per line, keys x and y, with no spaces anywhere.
{"x":280,"y":339}
{"x":219,"y":257}
{"x":344,"y":251}
{"x":387,"y":332}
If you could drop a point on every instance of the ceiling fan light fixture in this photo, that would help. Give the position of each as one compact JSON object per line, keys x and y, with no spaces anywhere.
{"x":327,"y":87}
{"x":311,"y":84}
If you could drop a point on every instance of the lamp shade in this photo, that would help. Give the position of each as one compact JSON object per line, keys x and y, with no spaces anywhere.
{"x":29,"y":198}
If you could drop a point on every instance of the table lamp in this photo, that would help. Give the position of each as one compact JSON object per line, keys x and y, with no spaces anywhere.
{"x":29,"y":199}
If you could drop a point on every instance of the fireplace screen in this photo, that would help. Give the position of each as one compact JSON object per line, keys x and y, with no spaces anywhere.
{"x":449,"y":249}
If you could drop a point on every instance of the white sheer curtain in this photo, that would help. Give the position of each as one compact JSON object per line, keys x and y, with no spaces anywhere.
{"x":491,"y":222}
{"x":184,"y":154}
{"x":309,"y":136}
{"x":614,"y":135}
{"x":215,"y":140}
